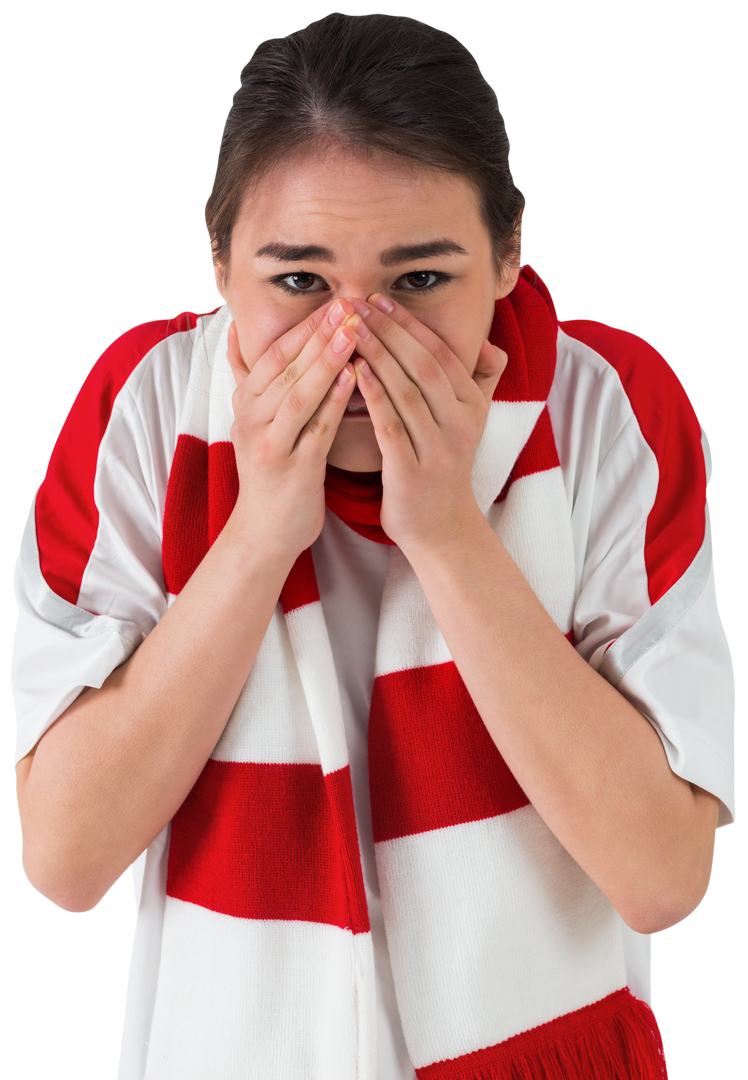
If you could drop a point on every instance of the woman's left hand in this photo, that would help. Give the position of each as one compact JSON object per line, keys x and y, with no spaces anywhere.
{"x":428,"y":415}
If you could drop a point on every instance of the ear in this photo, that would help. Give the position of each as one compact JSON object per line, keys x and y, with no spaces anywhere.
{"x":509,"y":275}
{"x":506,"y":282}
{"x":220,"y":279}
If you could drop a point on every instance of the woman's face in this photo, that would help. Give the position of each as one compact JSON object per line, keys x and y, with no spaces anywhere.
{"x":320,"y":227}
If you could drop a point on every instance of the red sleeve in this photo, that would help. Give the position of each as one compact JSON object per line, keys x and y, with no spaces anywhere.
{"x":677,"y":520}
{"x":67,"y":518}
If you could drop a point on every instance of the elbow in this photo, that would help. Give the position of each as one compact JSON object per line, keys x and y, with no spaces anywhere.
{"x":54,"y":863}
{"x":665,"y":903}
{"x":653,"y":919}
{"x":672,"y":881}
{"x":65,"y":896}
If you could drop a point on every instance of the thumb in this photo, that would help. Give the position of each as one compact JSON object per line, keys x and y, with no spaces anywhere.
{"x":491,"y":363}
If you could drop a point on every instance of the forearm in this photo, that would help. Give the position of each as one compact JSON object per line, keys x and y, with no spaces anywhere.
{"x":113,"y":770}
{"x":590,"y":763}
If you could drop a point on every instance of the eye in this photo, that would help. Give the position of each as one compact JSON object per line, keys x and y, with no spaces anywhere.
{"x":299,"y":282}
{"x":422,"y":281}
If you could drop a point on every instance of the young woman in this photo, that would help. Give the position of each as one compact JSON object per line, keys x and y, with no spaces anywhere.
{"x":372,"y":614}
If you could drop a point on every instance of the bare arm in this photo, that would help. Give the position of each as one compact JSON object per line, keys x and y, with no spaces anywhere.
{"x":592,"y":766}
{"x":111,"y":772}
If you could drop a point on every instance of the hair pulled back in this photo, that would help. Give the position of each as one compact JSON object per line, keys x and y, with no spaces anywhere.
{"x":375,"y":83}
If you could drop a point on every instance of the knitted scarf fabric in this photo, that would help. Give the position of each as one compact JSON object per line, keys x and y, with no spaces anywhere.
{"x":507,"y":959}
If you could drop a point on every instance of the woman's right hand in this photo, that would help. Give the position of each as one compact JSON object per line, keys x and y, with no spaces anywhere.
{"x":287,"y":409}
{"x":109,"y":774}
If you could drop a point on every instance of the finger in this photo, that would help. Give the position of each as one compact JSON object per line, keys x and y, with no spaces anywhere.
{"x":318,"y":433}
{"x":299,"y":347}
{"x":392,"y":435}
{"x":418,"y":388}
{"x":303,"y":397}
{"x":281,"y":352}
{"x":393,"y":324}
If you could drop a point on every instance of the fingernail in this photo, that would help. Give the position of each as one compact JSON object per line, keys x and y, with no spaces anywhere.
{"x":337,"y":314}
{"x":365,"y":370}
{"x":360,"y":308}
{"x":359,"y":326}
{"x":343,"y":377}
{"x":382,"y":303}
{"x":340,"y":342}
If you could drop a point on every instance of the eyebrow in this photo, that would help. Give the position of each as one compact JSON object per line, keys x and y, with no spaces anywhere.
{"x":391,"y":257}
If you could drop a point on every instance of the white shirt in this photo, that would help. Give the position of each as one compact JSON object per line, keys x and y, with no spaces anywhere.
{"x":678,"y":675}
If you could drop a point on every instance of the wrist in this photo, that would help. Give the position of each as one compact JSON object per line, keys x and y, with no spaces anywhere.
{"x":251,"y":552}
{"x":455,"y":540}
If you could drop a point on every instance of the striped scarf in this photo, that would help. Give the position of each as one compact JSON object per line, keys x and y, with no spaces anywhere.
{"x":507,"y":959}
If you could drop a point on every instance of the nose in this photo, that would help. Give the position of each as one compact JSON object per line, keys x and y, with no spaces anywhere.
{"x":353,"y":301}
{"x":352,"y":294}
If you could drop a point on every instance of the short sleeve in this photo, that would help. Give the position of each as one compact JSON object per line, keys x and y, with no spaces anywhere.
{"x":89,"y":578}
{"x":636,"y":465}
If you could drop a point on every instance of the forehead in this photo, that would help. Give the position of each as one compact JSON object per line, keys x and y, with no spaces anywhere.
{"x":341,"y":198}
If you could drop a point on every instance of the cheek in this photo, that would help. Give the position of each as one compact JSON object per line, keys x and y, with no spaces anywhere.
{"x":465,"y":320}
{"x":258,"y":329}
{"x":463,"y":333}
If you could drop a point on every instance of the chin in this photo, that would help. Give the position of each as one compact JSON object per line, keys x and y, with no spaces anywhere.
{"x":355,"y":447}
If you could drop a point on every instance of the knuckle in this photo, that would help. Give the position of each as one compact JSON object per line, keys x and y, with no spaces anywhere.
{"x":295,"y":400}
{"x":376,"y":349}
{"x":441,"y":352}
{"x":289,"y":375}
{"x":264,"y":450}
{"x":412,"y":395}
{"x":315,"y":324}
{"x":236,"y":399}
{"x":424,"y":366}
{"x":239,"y":431}
{"x":318,"y":426}
{"x":408,"y":322}
{"x":277,"y":356}
{"x":329,"y":361}
{"x":394,"y":428}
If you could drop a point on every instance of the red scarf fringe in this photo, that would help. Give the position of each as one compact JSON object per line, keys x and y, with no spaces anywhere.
{"x":614,"y":1039}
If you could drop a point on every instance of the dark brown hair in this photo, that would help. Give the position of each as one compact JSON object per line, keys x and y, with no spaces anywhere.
{"x":374,"y":83}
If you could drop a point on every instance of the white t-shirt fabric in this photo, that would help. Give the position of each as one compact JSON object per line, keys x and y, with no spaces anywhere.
{"x":670,"y":658}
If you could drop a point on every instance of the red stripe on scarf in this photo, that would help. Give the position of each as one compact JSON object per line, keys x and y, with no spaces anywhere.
{"x":526,"y":328}
{"x":185,"y":538}
{"x":432,"y":762}
{"x":538,"y":455}
{"x":616,"y":1038}
{"x":276,"y":841}
{"x":202,"y":491}
{"x":263,"y":841}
